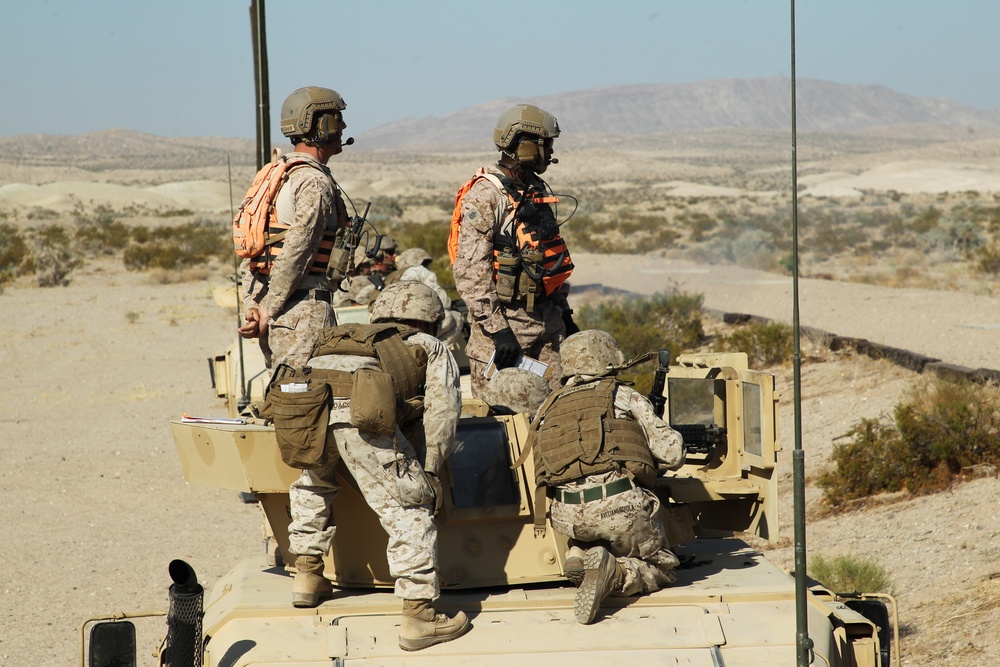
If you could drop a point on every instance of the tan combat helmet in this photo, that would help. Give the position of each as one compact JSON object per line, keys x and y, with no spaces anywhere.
{"x":412,"y":257}
{"x":402,"y":302}
{"x":515,"y":390}
{"x":520,"y":131}
{"x":590,"y":352}
{"x":302,"y":107}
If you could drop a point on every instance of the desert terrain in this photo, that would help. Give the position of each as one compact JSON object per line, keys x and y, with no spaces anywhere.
{"x":92,"y":494}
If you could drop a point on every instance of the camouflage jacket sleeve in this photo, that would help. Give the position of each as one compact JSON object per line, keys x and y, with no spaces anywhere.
{"x":665,"y":443}
{"x":482,"y":212}
{"x":442,"y":399}
{"x":313,"y":201}
{"x":247,"y":286}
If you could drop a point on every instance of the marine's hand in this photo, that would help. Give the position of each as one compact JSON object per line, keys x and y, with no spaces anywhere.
{"x":571,"y":326}
{"x":256,"y":323}
{"x":507,"y":348}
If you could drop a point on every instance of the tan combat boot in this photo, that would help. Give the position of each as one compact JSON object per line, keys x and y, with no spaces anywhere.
{"x":423,"y":627}
{"x":603,"y":576}
{"x":309,"y":586}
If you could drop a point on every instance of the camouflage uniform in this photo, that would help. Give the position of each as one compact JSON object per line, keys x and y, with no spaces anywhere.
{"x":627,"y":523}
{"x":539,"y":333}
{"x":308,"y":202}
{"x":388,"y":473}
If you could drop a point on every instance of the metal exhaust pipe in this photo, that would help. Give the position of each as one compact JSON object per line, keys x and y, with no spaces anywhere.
{"x":183,"y":646}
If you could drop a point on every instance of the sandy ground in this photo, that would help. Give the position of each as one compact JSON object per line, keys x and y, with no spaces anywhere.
{"x":95,"y":504}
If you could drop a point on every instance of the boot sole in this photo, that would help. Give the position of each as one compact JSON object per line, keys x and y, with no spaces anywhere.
{"x":596,"y":584}
{"x":575,"y":571}
{"x":417,"y":644}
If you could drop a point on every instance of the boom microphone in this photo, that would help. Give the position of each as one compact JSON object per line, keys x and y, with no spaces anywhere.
{"x":347,"y":142}
{"x":553,"y":161}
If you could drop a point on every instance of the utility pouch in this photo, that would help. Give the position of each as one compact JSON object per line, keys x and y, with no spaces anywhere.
{"x":300,"y":422}
{"x":508,"y":270}
{"x":339,"y":265}
{"x":373,"y":401}
{"x":529,"y":284}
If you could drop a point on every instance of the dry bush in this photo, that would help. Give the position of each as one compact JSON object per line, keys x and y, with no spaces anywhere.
{"x":944,"y":432}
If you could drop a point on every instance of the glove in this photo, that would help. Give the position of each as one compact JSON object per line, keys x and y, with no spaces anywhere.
{"x":438,"y":489}
{"x":571,"y":327}
{"x":507,"y":348}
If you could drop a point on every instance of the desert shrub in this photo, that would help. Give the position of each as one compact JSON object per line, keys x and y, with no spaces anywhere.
{"x":185,"y":245}
{"x":14,"y":252}
{"x":53,"y":256}
{"x":646,"y":324}
{"x":926,"y":221}
{"x":766,"y":344}
{"x":850,"y":574}
{"x":101,"y":233}
{"x":988,"y":259}
{"x":942,"y":430}
{"x":699,"y":224}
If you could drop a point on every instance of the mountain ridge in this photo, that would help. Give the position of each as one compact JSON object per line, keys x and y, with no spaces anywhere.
{"x":719,"y":103}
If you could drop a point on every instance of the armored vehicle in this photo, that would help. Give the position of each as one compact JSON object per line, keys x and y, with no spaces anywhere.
{"x":730,"y":606}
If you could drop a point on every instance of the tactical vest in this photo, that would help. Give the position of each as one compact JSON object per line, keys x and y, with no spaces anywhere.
{"x":576,"y":434}
{"x":406,"y":365}
{"x":276,"y":230}
{"x":525,"y":267}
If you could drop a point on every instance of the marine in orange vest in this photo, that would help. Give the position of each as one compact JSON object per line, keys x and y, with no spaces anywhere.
{"x":509,"y":260}
{"x":286,"y":291}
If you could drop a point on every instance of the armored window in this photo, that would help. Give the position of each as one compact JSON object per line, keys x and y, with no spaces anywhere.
{"x":480,"y":466}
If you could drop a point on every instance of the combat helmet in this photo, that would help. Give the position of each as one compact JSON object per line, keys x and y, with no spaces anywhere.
{"x":302,"y":108}
{"x":412,"y":257}
{"x":515,"y":390}
{"x":589,"y":352}
{"x":524,"y":119}
{"x":520,"y":131}
{"x":361,"y":257}
{"x":407,"y":302}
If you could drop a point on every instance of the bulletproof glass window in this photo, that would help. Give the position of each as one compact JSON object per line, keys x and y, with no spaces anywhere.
{"x":480,"y":466}
{"x":752,"y":440}
{"x":692,"y":401}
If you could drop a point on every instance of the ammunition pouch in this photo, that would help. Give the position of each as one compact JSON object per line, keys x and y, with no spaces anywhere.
{"x":339,"y":266}
{"x":508,"y":274}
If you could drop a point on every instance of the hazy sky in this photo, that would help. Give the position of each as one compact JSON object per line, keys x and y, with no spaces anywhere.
{"x":184,"y":67}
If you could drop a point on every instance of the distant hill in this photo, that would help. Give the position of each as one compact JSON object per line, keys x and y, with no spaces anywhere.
{"x":660,"y":108}
{"x":123,"y":149}
{"x":708,"y":113}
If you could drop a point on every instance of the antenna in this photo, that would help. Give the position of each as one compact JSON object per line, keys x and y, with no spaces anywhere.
{"x":244,"y":395}
{"x":803,"y":644}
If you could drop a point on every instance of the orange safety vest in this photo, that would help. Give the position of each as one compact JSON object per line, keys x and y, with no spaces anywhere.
{"x":554,"y":265}
{"x":257,"y":232}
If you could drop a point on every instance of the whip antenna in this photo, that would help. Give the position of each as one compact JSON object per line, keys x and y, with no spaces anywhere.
{"x":803,"y":644}
{"x":244,"y":397}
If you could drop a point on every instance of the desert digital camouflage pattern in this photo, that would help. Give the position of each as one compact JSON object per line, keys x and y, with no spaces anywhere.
{"x":729,"y":606}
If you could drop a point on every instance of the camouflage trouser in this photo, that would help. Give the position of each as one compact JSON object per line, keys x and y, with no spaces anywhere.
{"x":394,"y":486}
{"x":629,"y":527}
{"x":291,"y":335}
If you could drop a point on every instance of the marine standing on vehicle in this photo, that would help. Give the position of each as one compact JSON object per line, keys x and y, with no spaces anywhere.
{"x":509,"y":259}
{"x":286,"y":291}
{"x":596,"y":442}
{"x":400,"y":365}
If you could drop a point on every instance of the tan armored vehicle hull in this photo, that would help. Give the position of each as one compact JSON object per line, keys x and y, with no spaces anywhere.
{"x":730,"y":605}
